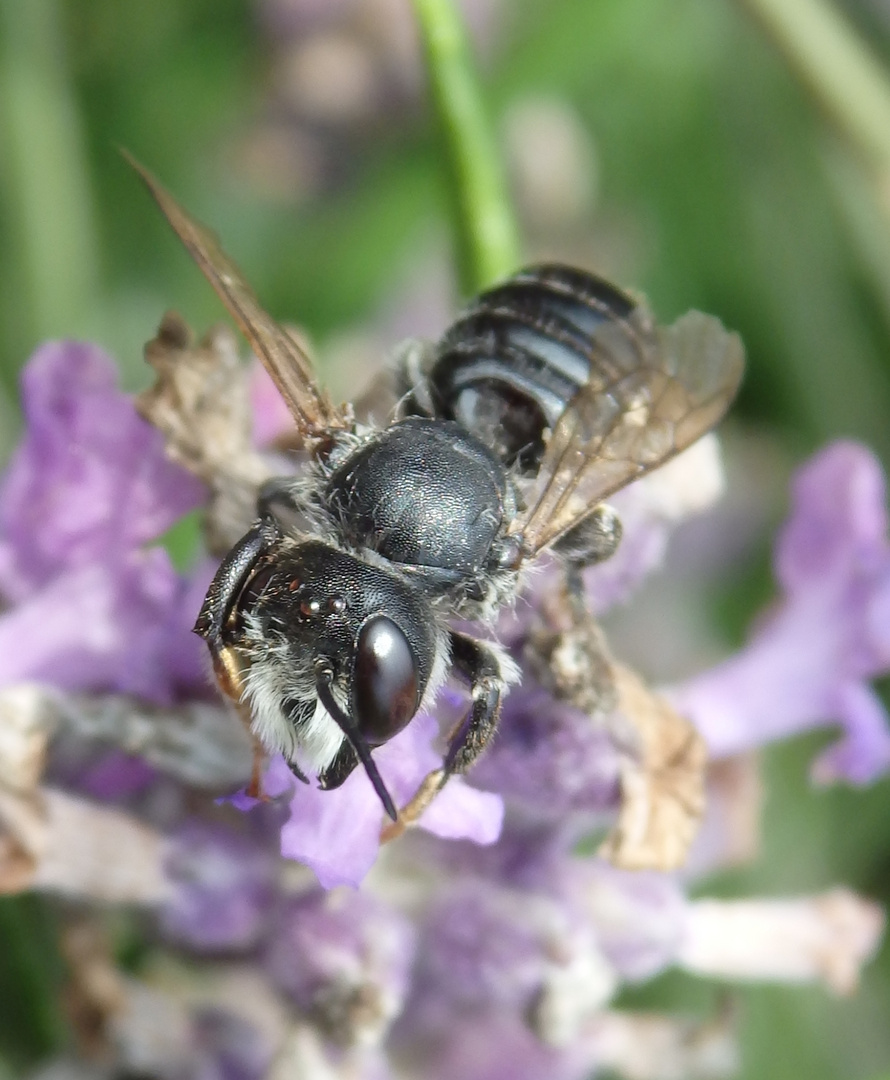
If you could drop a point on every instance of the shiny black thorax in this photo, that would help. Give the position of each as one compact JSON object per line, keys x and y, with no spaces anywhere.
{"x":406,"y":515}
{"x":428,"y":497}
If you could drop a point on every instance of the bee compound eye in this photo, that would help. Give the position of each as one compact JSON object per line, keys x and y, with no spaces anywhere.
{"x":384,"y":689}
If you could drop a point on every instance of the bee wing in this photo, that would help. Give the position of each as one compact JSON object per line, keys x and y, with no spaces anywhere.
{"x":289,"y":366}
{"x":378,"y":400}
{"x":652,"y":392}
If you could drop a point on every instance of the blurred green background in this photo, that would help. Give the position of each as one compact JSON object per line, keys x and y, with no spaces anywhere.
{"x":668,"y":145}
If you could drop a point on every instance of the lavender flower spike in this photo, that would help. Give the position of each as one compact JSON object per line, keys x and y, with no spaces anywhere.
{"x":808,"y":664}
{"x":89,"y":479}
{"x":344,"y":959}
{"x":221,"y":886}
{"x":89,"y":485}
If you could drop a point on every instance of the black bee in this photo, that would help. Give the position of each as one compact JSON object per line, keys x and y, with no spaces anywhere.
{"x":330,"y":620}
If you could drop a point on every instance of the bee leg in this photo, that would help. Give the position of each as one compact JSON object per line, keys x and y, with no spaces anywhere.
{"x":591,"y":541}
{"x":280,"y":492}
{"x":484,"y":669}
{"x":255,"y":788}
{"x":487,"y":673}
{"x":411,"y":812}
{"x":568,"y":653}
{"x":594,"y":539}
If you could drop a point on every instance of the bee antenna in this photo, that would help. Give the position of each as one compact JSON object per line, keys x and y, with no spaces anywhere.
{"x":350,"y":729}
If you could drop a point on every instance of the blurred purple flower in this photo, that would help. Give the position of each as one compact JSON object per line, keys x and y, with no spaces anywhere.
{"x":222,"y":886}
{"x":271,"y":416}
{"x":116,"y":624}
{"x":87,"y":487}
{"x":809,"y":661}
{"x":490,"y":945}
{"x":344,"y":959}
{"x":493,"y":1045}
{"x":115,"y":776}
{"x":638,"y":915}
{"x":550,"y":758}
{"x":227,"y":1047}
{"x":89,"y":479}
{"x":532,"y":929}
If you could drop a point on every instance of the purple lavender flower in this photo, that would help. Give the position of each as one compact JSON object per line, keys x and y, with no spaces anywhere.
{"x":538,"y":955}
{"x":88,"y":486}
{"x":487,"y":945}
{"x":114,"y":776}
{"x":550,"y":758}
{"x":222,"y":887}
{"x":531,"y":929}
{"x":344,"y":959}
{"x":497,"y":1046}
{"x":89,"y":478}
{"x":228,"y":1047}
{"x":105,"y":625}
{"x":808,"y":662}
{"x":337,"y":833}
{"x":638,"y":915}
{"x":271,"y":416}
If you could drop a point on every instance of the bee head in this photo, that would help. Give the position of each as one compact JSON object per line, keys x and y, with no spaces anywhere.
{"x":350,"y":634}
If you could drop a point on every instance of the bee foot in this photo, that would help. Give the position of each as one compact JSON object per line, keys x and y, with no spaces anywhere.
{"x":413,"y":810}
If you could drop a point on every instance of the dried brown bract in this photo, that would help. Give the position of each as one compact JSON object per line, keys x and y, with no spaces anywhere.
{"x":663,"y":758}
{"x":200,"y":403}
{"x":662,"y":782}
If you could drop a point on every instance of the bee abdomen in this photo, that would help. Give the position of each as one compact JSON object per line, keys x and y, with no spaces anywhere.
{"x":507,"y":369}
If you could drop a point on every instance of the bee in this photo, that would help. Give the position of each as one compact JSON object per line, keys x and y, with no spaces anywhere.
{"x":330,"y":623}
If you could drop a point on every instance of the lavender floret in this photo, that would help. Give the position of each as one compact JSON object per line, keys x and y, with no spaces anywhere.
{"x":344,"y":958}
{"x":809,"y":660}
{"x":89,"y":485}
{"x":222,"y":888}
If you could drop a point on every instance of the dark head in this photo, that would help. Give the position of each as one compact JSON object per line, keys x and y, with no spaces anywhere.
{"x":314,"y":622}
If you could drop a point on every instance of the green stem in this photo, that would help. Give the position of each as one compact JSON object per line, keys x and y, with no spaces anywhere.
{"x":845,"y":78}
{"x":484,"y":228}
